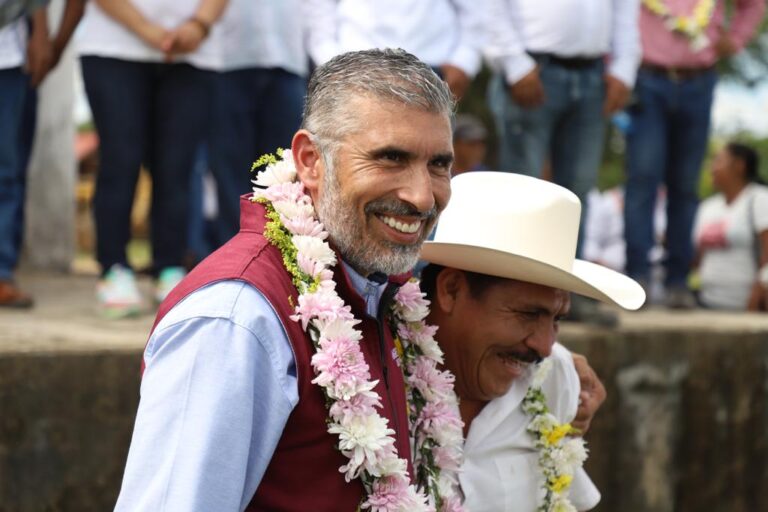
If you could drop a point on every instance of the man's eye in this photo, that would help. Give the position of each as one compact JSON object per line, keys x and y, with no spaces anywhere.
{"x":393,"y":156}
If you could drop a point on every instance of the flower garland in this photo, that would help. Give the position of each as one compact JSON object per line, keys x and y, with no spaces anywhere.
{"x":559,"y":456}
{"x":693,"y":26}
{"x":343,"y":374}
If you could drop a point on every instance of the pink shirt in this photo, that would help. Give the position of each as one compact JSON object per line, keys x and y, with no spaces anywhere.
{"x":663,"y":47}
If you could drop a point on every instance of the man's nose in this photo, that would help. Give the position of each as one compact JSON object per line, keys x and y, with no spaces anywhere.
{"x":417,"y":189}
{"x":542,"y":339}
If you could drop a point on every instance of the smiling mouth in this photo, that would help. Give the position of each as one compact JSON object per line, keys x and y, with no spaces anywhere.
{"x":400,"y":226}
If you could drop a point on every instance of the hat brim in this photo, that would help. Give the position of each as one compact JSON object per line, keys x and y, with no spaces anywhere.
{"x":585,"y":278}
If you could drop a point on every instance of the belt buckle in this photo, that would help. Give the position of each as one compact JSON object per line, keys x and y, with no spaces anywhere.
{"x":673,"y":74}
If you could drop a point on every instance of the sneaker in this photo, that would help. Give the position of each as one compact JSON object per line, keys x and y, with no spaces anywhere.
{"x":588,"y":311}
{"x":167,"y":280}
{"x":117,"y":293}
{"x":12,"y":297}
{"x":680,"y":297}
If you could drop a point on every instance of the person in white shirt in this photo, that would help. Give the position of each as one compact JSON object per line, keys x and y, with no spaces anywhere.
{"x":258,"y":96}
{"x":500,"y":268}
{"x":445,"y":34}
{"x":148,"y":67}
{"x":731,"y":234}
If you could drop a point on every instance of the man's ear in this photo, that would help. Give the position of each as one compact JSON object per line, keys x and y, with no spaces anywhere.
{"x":448,"y":286}
{"x":308,"y":160}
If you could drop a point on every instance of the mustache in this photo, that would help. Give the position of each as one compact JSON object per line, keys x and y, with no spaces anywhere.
{"x":529,"y":356}
{"x":395,"y":207}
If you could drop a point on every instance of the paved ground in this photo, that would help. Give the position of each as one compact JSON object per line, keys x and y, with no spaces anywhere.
{"x":65,"y":318}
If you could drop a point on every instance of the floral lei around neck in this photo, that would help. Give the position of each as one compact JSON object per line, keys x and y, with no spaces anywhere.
{"x":693,"y":26}
{"x":343,"y":374}
{"x":559,"y":455}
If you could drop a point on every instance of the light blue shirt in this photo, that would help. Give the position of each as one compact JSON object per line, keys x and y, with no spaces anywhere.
{"x":219,"y":386}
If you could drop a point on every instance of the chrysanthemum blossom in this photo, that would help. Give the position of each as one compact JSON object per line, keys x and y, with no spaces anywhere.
{"x":314,"y":248}
{"x":324,"y":304}
{"x":441,"y":422}
{"x":306,"y":226}
{"x":363,"y":403}
{"x":340,"y":368}
{"x":422,"y":336}
{"x":291,"y":210}
{"x":362,"y":439}
{"x":291,"y":191}
{"x":432,"y":383}
{"x":410,"y":302}
{"x":282,"y":171}
{"x":393,"y":494}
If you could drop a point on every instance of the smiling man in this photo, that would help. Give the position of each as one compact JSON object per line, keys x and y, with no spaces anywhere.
{"x":502,"y":265}
{"x":230,"y":416}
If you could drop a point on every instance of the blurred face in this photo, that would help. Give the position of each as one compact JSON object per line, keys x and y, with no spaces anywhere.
{"x":725,"y":170}
{"x":491,"y":340}
{"x":390,"y":180}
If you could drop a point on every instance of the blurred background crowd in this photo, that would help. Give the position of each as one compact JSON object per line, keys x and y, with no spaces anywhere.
{"x":611,"y":99}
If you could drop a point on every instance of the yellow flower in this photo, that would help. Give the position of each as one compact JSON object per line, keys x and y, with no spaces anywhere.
{"x":560,"y":483}
{"x":553,"y":436}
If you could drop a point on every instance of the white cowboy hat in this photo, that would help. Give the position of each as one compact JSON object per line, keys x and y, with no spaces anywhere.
{"x":518,"y":227}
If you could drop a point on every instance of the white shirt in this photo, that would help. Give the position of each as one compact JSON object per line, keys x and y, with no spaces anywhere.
{"x":100,"y":35}
{"x":13,"y":44}
{"x":263,"y":34}
{"x":566,"y":28}
{"x":437,"y":31}
{"x":728,"y":272}
{"x":501,"y":470}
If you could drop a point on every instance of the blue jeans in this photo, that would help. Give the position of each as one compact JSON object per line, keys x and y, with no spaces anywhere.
{"x":255,"y":111}
{"x":666,"y":143}
{"x":149,"y":113}
{"x":13,"y":159}
{"x":568,"y":128}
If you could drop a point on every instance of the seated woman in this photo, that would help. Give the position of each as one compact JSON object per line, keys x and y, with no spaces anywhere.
{"x":731,"y":234}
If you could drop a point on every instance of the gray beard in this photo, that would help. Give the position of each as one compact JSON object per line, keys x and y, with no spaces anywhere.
{"x":364,"y":254}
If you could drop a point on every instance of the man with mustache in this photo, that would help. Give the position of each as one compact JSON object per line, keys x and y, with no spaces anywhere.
{"x":497,"y":297}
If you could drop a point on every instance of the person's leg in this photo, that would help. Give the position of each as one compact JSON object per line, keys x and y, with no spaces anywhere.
{"x":119,"y":95}
{"x":280,"y":115}
{"x":237,"y":96}
{"x":26,"y":141}
{"x":181,"y":100}
{"x":12,"y":91}
{"x":645,"y":160}
{"x":523,"y":134}
{"x":577,"y":142}
{"x":689,"y":133}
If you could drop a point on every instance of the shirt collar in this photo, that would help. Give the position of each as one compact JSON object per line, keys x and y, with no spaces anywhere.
{"x":370,"y":291}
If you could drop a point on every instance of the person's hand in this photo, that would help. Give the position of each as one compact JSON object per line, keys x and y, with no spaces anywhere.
{"x":616,"y":95}
{"x":184,"y":39}
{"x":725,"y":47}
{"x":457,"y":80}
{"x":528,"y":92}
{"x":39,"y":57}
{"x":592,"y":394}
{"x":154,"y":35}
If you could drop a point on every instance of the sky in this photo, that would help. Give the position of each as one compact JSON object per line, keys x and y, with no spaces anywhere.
{"x":738,"y":108}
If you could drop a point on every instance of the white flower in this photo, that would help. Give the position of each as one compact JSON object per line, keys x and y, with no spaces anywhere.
{"x":314,"y":249}
{"x":362,"y":439}
{"x":282,"y":171}
{"x":292,"y":210}
{"x":574,"y":451}
{"x":560,"y":503}
{"x":543,"y":422}
{"x":541,"y":373}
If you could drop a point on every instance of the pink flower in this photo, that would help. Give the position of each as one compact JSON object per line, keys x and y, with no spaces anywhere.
{"x":452,"y":504}
{"x":363,"y":403}
{"x":308,"y":265}
{"x":340,"y":367}
{"x":306,"y":226}
{"x":422,"y":335}
{"x":440,"y":421}
{"x":431,"y":382}
{"x":410,"y":302}
{"x":291,"y":191}
{"x":393,"y":494}
{"x":447,"y":457}
{"x":323,"y":304}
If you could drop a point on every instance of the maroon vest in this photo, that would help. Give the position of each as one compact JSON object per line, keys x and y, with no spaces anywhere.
{"x":304,"y":471}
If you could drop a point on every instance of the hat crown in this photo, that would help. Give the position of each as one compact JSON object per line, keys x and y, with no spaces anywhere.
{"x":512,"y":213}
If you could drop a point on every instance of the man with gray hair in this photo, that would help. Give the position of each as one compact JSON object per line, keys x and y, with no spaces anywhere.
{"x":232,"y":416}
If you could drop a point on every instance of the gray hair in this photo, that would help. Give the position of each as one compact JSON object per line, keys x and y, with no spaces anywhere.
{"x":387,"y":74}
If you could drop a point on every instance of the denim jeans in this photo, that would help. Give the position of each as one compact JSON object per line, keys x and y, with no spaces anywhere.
{"x":255,"y":111}
{"x":149,"y":113}
{"x":568,"y":128}
{"x":13,"y":90}
{"x":666,"y":143}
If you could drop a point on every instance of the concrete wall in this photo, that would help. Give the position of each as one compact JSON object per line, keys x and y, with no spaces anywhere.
{"x":685,"y":427}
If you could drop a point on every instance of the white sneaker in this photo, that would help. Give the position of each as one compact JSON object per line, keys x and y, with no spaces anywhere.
{"x":117,"y":293}
{"x":167,"y":280}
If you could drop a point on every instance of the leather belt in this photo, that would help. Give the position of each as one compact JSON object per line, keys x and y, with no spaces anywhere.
{"x":566,"y":62}
{"x":676,"y":74}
